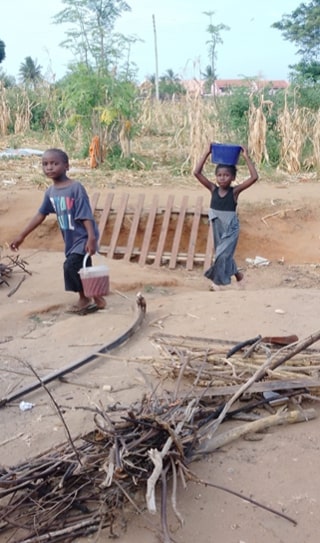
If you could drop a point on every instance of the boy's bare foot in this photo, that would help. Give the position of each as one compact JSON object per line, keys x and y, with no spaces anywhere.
{"x":82,"y":303}
{"x":100,"y":302}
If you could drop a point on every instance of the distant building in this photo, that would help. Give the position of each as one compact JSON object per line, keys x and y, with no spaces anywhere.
{"x":223,"y":87}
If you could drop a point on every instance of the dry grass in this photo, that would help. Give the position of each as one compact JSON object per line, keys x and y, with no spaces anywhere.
{"x":23,"y":110}
{"x":293,"y":127}
{"x":257,"y":141}
{"x":315,"y":138}
{"x":4,"y":111}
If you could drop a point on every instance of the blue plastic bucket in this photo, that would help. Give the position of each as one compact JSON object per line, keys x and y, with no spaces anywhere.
{"x":225,"y":153}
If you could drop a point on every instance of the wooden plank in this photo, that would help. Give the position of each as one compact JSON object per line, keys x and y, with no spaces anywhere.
{"x":164,"y":231}
{"x":178,"y":233}
{"x":94,"y":201}
{"x":209,"y":249}
{"x":121,"y":251}
{"x":286,"y":384}
{"x":148,"y":231}
{"x":105,"y":214}
{"x":194,"y":232}
{"x":134,"y":227}
{"x":118,"y":224}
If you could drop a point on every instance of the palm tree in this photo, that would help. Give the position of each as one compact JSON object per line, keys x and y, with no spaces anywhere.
{"x":30,"y":72}
{"x":170,"y":76}
{"x":209,"y":78}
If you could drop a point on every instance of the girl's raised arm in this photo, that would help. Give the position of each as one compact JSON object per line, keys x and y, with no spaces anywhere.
{"x":253,"y":174}
{"x":198,"y":171}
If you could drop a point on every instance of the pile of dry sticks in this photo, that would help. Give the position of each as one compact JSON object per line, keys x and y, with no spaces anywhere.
{"x":6,"y":270}
{"x":78,"y":487}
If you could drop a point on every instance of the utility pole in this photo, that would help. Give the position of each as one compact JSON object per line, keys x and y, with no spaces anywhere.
{"x":156,"y":56}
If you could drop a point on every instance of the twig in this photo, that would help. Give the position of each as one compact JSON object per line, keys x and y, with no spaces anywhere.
{"x":284,"y":211}
{"x":76,"y":452}
{"x":164,"y":517}
{"x":13,"y":438}
{"x":256,"y":426}
{"x":272,"y":363}
{"x":174,"y":492}
{"x":13,"y":290}
{"x":70,"y":530}
{"x":247,"y":499}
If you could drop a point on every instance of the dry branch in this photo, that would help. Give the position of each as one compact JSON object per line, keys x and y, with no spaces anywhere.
{"x":225,"y":438}
{"x":78,"y":487}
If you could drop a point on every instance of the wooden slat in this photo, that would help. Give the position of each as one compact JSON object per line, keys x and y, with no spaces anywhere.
{"x":148,"y":231}
{"x":287,"y":384}
{"x":209,"y":249}
{"x":194,"y":232}
{"x":118,"y":224}
{"x":105,"y":214}
{"x":134,"y":227}
{"x":94,"y":201}
{"x":121,"y":251}
{"x":178,"y":233}
{"x":164,"y":231}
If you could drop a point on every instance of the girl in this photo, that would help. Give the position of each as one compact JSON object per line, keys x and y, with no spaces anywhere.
{"x":223,"y":217}
{"x":68,"y":199}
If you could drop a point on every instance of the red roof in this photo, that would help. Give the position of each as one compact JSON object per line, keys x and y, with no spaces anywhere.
{"x":260,"y":83}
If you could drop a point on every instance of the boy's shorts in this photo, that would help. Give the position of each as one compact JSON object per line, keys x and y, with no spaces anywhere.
{"x":71,"y":267}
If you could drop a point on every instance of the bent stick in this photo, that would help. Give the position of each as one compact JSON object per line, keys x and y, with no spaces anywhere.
{"x":140,"y":303}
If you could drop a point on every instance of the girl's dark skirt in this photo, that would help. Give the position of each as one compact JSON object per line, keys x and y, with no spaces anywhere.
{"x":71,"y":267}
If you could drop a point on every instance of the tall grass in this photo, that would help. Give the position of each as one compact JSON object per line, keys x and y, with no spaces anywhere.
{"x":5,"y":117}
{"x":176,"y":132}
{"x":257,"y":140}
{"x":293,"y":127}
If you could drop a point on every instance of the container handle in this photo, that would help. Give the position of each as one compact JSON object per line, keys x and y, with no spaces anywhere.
{"x":85,"y":259}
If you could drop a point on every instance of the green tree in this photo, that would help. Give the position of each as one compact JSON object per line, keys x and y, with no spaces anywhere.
{"x":7,"y":80}
{"x":2,"y":51}
{"x":214,"y":40}
{"x":91,"y":34}
{"x":30,"y":72}
{"x":170,"y":85}
{"x":301,"y":27}
{"x":209,"y":78}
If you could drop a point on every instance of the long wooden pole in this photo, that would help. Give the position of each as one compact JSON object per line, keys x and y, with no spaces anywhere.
{"x":156,"y":56}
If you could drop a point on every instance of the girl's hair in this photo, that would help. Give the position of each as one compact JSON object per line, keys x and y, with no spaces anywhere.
{"x":64,"y":157}
{"x":232,"y":169}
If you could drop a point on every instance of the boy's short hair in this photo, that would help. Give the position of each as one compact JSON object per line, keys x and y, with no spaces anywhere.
{"x":232,"y":169}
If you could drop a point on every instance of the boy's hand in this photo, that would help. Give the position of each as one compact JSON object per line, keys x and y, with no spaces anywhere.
{"x":91,"y":246}
{"x":14,"y":245}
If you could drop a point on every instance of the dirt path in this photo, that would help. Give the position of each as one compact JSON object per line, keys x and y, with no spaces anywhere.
{"x":280,"y":470}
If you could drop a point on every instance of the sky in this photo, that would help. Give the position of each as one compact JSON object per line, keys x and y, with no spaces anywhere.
{"x":250,"y":48}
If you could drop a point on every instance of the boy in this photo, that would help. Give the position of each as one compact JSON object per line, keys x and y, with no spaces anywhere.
{"x":68,"y":199}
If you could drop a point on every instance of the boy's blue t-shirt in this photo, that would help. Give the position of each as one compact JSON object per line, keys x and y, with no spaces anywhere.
{"x":71,"y":205}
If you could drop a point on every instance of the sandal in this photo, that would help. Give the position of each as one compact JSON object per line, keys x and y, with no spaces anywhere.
{"x":91,"y":308}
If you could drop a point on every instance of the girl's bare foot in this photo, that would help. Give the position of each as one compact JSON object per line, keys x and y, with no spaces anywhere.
{"x":214,"y":287}
{"x":240,"y":280}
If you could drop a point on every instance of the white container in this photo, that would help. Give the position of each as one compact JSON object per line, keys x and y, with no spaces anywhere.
{"x":94,"y":279}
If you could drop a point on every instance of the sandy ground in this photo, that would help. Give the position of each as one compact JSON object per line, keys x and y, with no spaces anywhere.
{"x":280,"y":470}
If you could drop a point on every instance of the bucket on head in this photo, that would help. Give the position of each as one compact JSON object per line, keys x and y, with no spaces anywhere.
{"x":94,"y":279}
{"x":225,"y":153}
